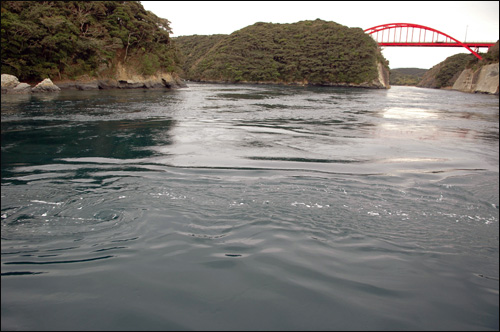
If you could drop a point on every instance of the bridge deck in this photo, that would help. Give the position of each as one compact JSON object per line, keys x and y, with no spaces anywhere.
{"x":438,"y":44}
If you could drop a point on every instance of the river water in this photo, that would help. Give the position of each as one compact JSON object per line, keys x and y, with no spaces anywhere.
{"x":250,"y":207}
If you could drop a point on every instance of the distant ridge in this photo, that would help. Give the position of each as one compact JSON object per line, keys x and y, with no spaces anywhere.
{"x":406,"y":76}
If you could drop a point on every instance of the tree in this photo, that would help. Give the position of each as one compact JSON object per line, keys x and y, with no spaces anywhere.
{"x":73,"y":38}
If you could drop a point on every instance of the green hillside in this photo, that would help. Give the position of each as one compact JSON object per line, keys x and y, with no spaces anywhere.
{"x":193,"y":48}
{"x":70,"y":39}
{"x":406,"y":76}
{"x":307,"y":52}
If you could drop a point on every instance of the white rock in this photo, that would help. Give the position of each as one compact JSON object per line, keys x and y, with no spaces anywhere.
{"x":9,"y":81}
{"x":46,"y":86}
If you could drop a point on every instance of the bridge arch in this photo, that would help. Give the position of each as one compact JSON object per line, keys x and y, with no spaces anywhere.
{"x":393,"y":27}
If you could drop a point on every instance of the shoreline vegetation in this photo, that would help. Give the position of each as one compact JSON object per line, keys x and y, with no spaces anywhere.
{"x":87,"y":45}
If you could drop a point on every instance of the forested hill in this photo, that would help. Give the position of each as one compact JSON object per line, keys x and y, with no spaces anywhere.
{"x":194,"y":48}
{"x":71,"y":39}
{"x":307,"y":52}
{"x":406,"y":76}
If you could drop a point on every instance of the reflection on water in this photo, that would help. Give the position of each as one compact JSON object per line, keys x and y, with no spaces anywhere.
{"x":409,"y":113}
{"x":204,"y":208}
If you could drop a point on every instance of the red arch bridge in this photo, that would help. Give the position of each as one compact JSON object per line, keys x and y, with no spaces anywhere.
{"x":408,"y":34}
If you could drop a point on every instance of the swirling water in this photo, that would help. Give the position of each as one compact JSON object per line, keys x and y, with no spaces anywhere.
{"x":250,"y":207}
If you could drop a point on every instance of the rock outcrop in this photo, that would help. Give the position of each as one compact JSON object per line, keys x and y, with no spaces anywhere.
{"x":46,"y":86}
{"x":22,"y":88}
{"x":383,"y":77}
{"x":482,"y":80}
{"x":11,"y":84}
{"x":126,"y":79}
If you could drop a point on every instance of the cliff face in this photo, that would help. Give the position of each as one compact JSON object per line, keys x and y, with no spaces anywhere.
{"x":383,"y":76}
{"x":482,"y":80}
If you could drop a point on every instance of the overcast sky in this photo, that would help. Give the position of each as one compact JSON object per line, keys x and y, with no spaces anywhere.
{"x":463,"y":20}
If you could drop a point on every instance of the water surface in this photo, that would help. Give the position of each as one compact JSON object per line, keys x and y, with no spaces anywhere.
{"x":247,"y":207}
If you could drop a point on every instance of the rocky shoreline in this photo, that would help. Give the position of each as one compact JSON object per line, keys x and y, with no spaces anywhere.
{"x":12,"y":85}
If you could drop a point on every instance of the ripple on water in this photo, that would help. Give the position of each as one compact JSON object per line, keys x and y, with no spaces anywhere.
{"x":306,"y":207}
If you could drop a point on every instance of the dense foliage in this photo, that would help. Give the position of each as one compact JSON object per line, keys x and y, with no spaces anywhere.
{"x":314,"y":52}
{"x":68,"y":39}
{"x":406,"y":76}
{"x":193,"y":48}
{"x":492,"y":56}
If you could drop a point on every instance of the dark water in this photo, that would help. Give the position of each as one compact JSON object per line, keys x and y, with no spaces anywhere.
{"x":245,"y":207}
